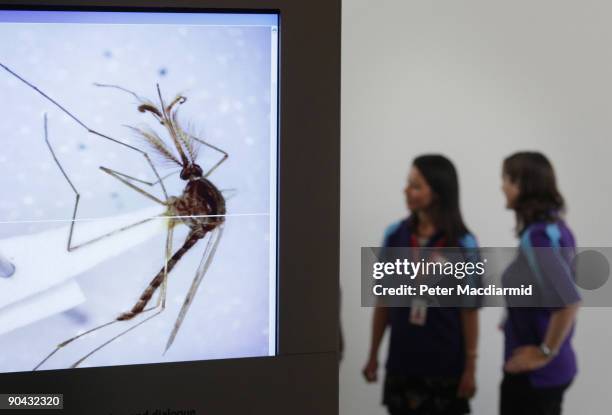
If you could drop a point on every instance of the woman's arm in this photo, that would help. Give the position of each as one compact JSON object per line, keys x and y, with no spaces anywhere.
{"x":561,"y":322}
{"x":469,"y":320}
{"x":528,"y":358}
{"x":561,"y":290}
{"x":379,"y":325}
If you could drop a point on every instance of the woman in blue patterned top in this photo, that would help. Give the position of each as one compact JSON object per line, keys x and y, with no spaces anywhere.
{"x":432,"y":354}
{"x":540,"y":362}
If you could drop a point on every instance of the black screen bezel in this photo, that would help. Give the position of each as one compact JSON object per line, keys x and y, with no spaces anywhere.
{"x":302,"y":378}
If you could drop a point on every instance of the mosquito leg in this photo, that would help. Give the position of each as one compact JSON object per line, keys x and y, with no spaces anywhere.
{"x":158,"y":280}
{"x":148,"y":183}
{"x":112,"y":339}
{"x":160,"y":303}
{"x":86,"y":127}
{"x":106,"y":235}
{"x":162,"y":178}
{"x":161,"y":299}
{"x":223,"y":158}
{"x":70,"y":246}
{"x":207,"y":257}
{"x":70,"y":340}
{"x":123,"y":178}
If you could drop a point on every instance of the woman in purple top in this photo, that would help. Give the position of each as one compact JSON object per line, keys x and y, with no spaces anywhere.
{"x":540,"y":363}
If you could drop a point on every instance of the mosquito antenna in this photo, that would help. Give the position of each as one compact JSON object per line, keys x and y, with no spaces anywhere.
{"x":134,"y":94}
{"x":179,"y":99}
{"x":169,"y":123}
{"x":186,"y":140}
{"x":145,"y":104}
{"x":161,"y":100}
{"x":156,"y":143}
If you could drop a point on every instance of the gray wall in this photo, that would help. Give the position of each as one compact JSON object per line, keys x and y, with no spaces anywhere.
{"x":475,"y":80}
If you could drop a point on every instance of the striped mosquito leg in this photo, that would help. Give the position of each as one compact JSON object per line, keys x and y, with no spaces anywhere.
{"x":207,"y":257}
{"x":101,"y":326}
{"x":123,"y":179}
{"x":70,"y":340}
{"x":158,"y":280}
{"x":161,"y":300}
{"x":147,"y":182}
{"x":112,"y":339}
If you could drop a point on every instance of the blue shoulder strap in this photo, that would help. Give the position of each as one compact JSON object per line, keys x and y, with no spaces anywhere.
{"x":554,"y":234}
{"x":468,"y":241}
{"x":469,"y":247}
{"x":390,"y":230}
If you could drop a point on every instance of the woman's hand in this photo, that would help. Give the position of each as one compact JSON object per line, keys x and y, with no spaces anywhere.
{"x":467,"y":383}
{"x":370,"y":370}
{"x":526,"y":359}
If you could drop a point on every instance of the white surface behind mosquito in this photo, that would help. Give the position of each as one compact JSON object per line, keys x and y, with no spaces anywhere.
{"x":225,"y":74}
{"x":42,"y":261}
{"x":36,"y":307}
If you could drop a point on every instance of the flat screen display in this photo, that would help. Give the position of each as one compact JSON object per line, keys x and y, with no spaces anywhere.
{"x":138,"y":187}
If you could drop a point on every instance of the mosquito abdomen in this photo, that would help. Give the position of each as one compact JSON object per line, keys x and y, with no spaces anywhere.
{"x":145,"y":297}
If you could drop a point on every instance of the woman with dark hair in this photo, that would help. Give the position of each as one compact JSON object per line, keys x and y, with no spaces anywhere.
{"x":431,"y":361}
{"x":539,"y":360}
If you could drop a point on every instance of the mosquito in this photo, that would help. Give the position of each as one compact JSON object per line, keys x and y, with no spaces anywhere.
{"x":201,"y":206}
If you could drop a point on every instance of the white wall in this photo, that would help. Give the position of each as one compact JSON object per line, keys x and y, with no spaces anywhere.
{"x":475,"y":80}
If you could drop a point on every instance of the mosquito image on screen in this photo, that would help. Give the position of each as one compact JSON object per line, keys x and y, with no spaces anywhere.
{"x":201,"y":206}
